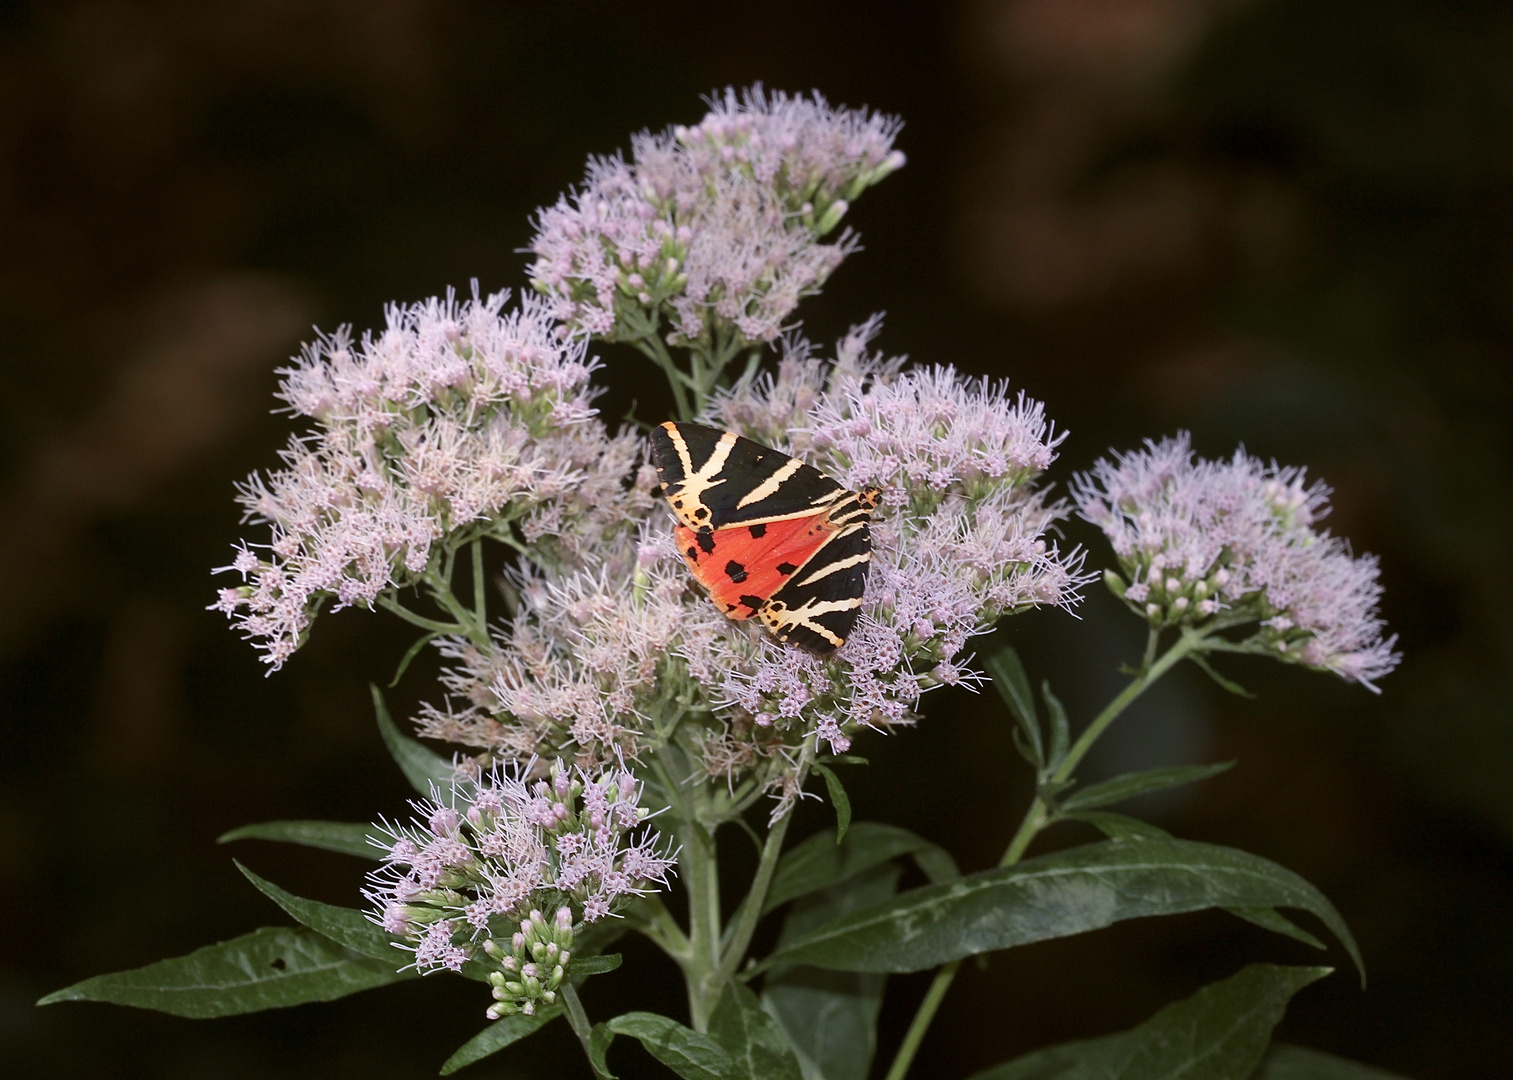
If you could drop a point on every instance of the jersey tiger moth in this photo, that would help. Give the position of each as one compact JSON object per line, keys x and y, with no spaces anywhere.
{"x":766,"y":534}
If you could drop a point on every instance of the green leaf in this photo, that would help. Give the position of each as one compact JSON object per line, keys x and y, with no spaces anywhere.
{"x":822,"y":860}
{"x":752,"y":1038}
{"x":1217,"y":1034}
{"x":345,"y":926}
{"x":686,"y":1052}
{"x":1013,"y":686}
{"x":410,"y":654}
{"x":349,"y":839}
{"x":1128,"y":785}
{"x":837,"y":797}
{"x":1284,"y":1062}
{"x":830,"y":1017}
{"x":1061,"y":727}
{"x":1067,"y":892}
{"x":267,"y":969}
{"x":1272,"y":919}
{"x":1228,"y":684}
{"x":584,"y":966}
{"x":421,"y":765}
{"x":936,"y":864}
{"x":1119,"y":826}
{"x":497,"y":1036}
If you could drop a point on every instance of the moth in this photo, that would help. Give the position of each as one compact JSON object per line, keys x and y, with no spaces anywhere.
{"x":765,"y":534}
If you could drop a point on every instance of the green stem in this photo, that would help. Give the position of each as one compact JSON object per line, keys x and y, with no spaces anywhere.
{"x":1037,"y":817}
{"x":927,"y":1009}
{"x":581,"y":1027}
{"x":701,"y":877}
{"x":388,"y":603}
{"x":751,"y":912}
{"x":1138,"y":685}
{"x":651,"y":346}
{"x":480,"y":600}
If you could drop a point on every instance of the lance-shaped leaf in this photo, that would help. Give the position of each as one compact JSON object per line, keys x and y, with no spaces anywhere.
{"x":1284,"y":1062}
{"x":1120,"y":827}
{"x":751,"y":1037}
{"x":830,"y":1017}
{"x":819,"y":862}
{"x":1013,"y":686}
{"x":838,"y":798}
{"x":1219,"y":1033}
{"x":1128,"y":785}
{"x":349,"y":838}
{"x":686,"y":1052}
{"x":421,"y":765}
{"x":1061,"y":727}
{"x":497,"y":1036}
{"x":1067,"y":892}
{"x":267,"y":969}
{"x":345,"y":926}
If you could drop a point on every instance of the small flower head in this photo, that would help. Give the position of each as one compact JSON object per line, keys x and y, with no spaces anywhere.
{"x":715,"y":228}
{"x":458,"y":419}
{"x":1228,"y":543}
{"x":476,"y":871}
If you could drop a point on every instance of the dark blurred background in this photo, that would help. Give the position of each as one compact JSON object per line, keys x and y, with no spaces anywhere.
{"x":1277,"y":222}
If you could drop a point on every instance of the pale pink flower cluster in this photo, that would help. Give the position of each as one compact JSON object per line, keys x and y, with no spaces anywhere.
{"x":584,"y":663}
{"x":593,"y":657}
{"x":715,"y":228}
{"x":1235,"y":541}
{"x":806,"y":151}
{"x":458,"y":420}
{"x":474,"y":863}
{"x":958,"y":542}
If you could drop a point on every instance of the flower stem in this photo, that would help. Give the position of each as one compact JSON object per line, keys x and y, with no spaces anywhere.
{"x":1037,"y":817}
{"x":926,"y":1013}
{"x":388,"y":603}
{"x":580,"y":1025}
{"x":751,"y":913}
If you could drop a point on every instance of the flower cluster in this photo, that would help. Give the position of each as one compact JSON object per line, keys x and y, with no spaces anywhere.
{"x":594,"y":657}
{"x":479,"y":867}
{"x":1234,"y":542}
{"x":459,"y":420}
{"x":717,"y":227}
{"x":958,"y":542}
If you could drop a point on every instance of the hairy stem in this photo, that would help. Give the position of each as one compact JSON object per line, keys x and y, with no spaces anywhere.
{"x":751,"y":912}
{"x":580,"y":1025}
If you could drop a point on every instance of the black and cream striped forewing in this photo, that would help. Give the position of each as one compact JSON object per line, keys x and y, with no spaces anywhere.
{"x":713,"y":478}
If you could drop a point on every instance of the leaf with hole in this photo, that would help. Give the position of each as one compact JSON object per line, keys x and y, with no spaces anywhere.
{"x":269,"y":968}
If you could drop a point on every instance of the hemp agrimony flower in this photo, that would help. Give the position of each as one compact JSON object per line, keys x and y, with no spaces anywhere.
{"x":475,"y":869}
{"x":458,"y":421}
{"x":1234,"y":541}
{"x":716,"y":227}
